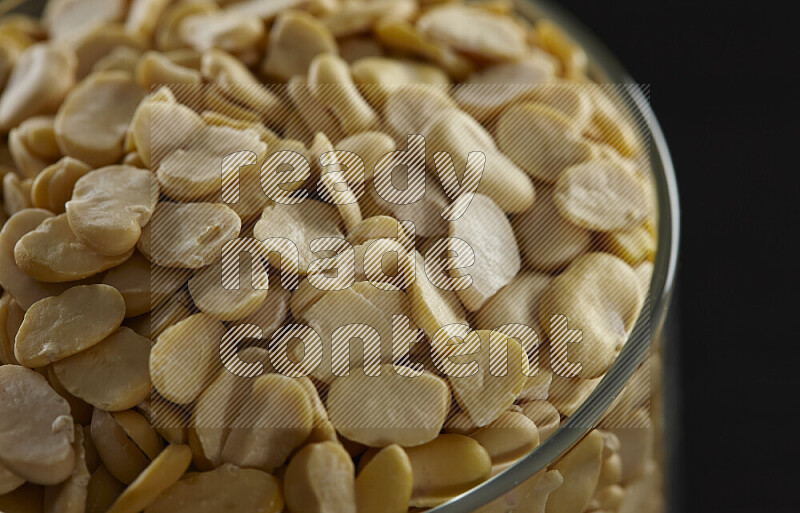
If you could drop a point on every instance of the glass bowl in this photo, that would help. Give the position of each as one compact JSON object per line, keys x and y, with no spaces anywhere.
{"x":603,"y":68}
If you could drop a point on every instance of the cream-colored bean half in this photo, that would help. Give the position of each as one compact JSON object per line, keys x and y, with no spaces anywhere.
{"x":409,"y":109}
{"x":143,"y":285}
{"x":143,"y":17}
{"x":370,"y":146}
{"x":486,"y":93}
{"x":294,"y":40}
{"x":323,"y":430}
{"x":300,"y":224}
{"x":544,"y":415}
{"x":110,"y":206}
{"x":101,"y":45}
{"x":541,"y":140}
{"x":155,"y":68}
{"x":326,"y":315}
{"x":276,"y":420}
{"x":635,"y":246}
{"x":598,"y":294}
{"x":70,"y":496}
{"x":330,"y":82}
{"x":185,"y":358}
{"x":483,"y":395}
{"x":445,"y":467}
{"x":602,"y":195}
{"x":213,"y":299}
{"x":36,"y":429}
{"x":546,"y":239}
{"x":20,"y":285}
{"x":92,"y":121}
{"x":475,"y":32}
{"x":516,"y":303}
{"x":225,"y":488}
{"x":27,"y":163}
{"x":388,"y":409}
{"x":509,"y":437}
{"x":457,"y":133}
{"x":53,"y":253}
{"x":67,"y":20}
{"x":188,"y":235}
{"x":193,"y":171}
{"x":580,"y":468}
{"x":41,"y":78}
{"x":384,"y":484}
{"x":60,"y":326}
{"x":425,"y":213}
{"x":59,"y":189}
{"x":488,"y":232}
{"x":161,"y":125}
{"x":431,"y":306}
{"x":229,"y":31}
{"x":164,"y":471}
{"x":112,"y":375}
{"x":378,"y":76}
{"x":16,"y":193}
{"x":320,"y":479}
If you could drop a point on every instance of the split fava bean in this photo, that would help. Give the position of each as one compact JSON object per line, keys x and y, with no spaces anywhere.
{"x":320,"y":478}
{"x":445,"y":467}
{"x":60,"y":326}
{"x":36,"y":429}
{"x":110,"y":206}
{"x":188,"y":235}
{"x":385,"y":483}
{"x":53,"y":253}
{"x":388,"y":409}
{"x":111,"y":375}
{"x":185,"y":357}
{"x":93,"y":119}
{"x":227,"y":487}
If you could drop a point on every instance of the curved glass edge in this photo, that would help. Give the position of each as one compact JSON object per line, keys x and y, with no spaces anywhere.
{"x":604,"y":67}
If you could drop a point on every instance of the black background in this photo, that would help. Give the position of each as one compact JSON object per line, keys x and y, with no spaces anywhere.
{"x":723,"y":86}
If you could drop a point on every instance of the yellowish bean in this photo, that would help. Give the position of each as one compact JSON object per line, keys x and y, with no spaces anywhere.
{"x":320,"y":479}
{"x":388,"y":409}
{"x":165,"y":470}
{"x":188,"y":235}
{"x":384,"y":484}
{"x":295,"y":39}
{"x":185,"y":357}
{"x":599,"y":295}
{"x":241,"y":490}
{"x":111,"y":375}
{"x":445,"y":467}
{"x":79,"y":318}
{"x":53,"y":253}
